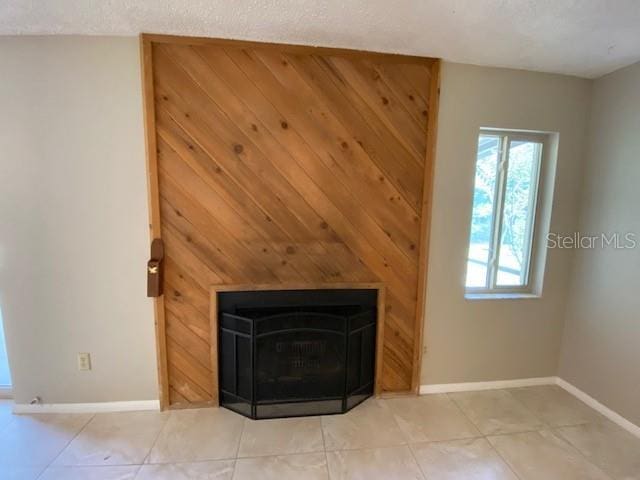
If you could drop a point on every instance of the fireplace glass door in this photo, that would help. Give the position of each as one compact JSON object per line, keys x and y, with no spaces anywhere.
{"x":296,"y":352}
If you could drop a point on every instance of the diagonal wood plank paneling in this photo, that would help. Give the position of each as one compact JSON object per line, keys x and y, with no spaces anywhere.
{"x":281,"y":164}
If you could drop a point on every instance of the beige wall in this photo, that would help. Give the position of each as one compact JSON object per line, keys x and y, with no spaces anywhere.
{"x":73,"y":216}
{"x":601,"y":346}
{"x":483,"y":340}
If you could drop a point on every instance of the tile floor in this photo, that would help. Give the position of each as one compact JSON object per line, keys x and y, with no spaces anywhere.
{"x":535,"y":433}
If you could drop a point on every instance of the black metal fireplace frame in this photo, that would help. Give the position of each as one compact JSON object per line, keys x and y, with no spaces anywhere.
{"x":248,"y":405}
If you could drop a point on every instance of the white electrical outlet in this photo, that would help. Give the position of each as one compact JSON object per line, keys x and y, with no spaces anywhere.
{"x":84,"y":361}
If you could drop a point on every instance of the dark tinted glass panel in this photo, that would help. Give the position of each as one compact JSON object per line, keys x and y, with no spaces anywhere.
{"x":362,"y":319}
{"x":353,"y":362}
{"x":235,"y":323}
{"x":244,"y":360}
{"x":227,"y":367}
{"x":299,"y":365}
{"x":290,"y":321}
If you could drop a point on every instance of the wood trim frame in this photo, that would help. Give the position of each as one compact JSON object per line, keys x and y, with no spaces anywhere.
{"x":283,"y":47}
{"x":148,"y":110}
{"x":146,"y":42}
{"x":213,"y":313}
{"x":425,"y":224}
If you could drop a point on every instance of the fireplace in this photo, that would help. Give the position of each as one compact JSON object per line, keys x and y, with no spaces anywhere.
{"x":286,"y":353}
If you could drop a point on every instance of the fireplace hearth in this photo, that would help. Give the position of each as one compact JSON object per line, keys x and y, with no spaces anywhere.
{"x":287,"y":353}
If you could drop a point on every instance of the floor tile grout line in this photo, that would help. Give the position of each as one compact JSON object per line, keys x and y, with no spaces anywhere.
{"x":233,"y":472}
{"x":67,"y":444}
{"x":324,"y":447}
{"x":374,"y":447}
{"x":415,"y":459}
{"x":184,"y":462}
{"x":317,"y":418}
{"x":282,"y":454}
{"x":579,"y":452}
{"x":445,"y":440}
{"x":254,"y":457}
{"x":542,"y":422}
{"x":155,"y":440}
{"x":464,"y":414}
{"x":389,"y":412}
{"x":511,"y":469}
{"x":549,"y":425}
{"x":522,"y":404}
{"x":244,"y":424}
{"x":506,"y":462}
{"x":93,"y":416}
{"x":395,"y":420}
{"x":517,"y":432}
{"x":326,"y":465}
{"x":552,"y":431}
{"x":562,"y":439}
{"x":465,"y":437}
{"x":138,"y":472}
{"x":410,"y":445}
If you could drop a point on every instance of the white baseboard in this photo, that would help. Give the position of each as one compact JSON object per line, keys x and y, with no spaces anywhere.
{"x":496,"y":385}
{"x":598,"y":407}
{"x":100,"y":407}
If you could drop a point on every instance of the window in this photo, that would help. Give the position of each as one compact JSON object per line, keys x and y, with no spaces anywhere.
{"x":504,"y":212}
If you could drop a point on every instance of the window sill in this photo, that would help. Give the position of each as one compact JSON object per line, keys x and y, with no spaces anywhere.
{"x":500,"y":296}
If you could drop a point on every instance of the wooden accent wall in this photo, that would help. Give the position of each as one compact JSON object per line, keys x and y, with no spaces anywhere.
{"x":274,"y":164}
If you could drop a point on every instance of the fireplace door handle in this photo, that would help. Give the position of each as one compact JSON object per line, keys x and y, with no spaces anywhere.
{"x":155,"y":269}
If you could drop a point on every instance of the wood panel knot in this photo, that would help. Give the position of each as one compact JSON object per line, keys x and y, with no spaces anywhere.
{"x":238,"y":148}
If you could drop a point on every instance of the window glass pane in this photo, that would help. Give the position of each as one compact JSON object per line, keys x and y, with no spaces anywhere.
{"x":483,"y":209}
{"x":518,"y":213}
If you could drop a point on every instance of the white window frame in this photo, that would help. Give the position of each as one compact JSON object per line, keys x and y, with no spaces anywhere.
{"x":491,"y":287}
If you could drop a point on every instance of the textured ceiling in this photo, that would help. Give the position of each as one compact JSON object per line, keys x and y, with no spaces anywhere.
{"x":587,"y":38}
